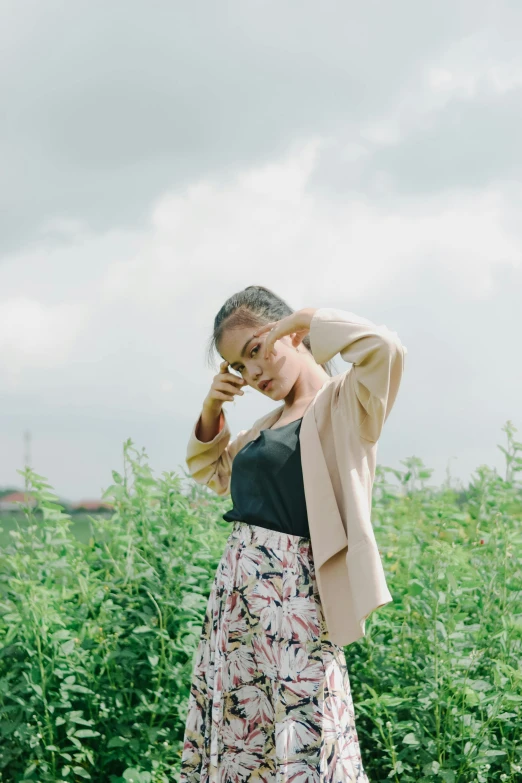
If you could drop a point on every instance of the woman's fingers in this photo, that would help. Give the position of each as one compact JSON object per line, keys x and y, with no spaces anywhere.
{"x":269,"y":343}
{"x":264,"y":328}
{"x":274,"y":330}
{"x":271,"y":337}
{"x":229,"y":387}
{"x":230,"y":376}
{"x":225,"y":385}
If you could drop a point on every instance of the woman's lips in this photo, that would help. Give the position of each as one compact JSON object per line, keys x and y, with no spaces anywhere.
{"x":268,"y":386}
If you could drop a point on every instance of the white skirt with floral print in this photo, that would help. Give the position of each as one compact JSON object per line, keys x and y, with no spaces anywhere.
{"x":270,"y":700}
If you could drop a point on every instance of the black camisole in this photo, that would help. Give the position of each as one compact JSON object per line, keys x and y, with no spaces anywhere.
{"x":266,"y":484}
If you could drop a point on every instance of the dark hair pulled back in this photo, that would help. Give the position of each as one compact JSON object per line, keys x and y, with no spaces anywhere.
{"x":254,"y":306}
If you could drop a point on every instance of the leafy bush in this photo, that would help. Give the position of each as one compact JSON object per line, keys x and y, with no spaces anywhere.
{"x":97,"y":638}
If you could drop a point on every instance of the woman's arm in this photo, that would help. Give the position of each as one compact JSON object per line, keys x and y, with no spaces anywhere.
{"x":210,"y":462}
{"x":377,"y":356}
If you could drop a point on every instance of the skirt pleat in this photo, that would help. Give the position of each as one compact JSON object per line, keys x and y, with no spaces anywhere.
{"x":270,"y":699}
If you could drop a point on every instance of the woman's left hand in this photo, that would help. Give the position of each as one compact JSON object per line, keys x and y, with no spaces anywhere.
{"x":296,"y":324}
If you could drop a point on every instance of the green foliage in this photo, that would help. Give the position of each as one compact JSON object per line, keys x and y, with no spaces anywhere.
{"x":437,"y":682}
{"x":98,"y":632}
{"x":97,"y":638}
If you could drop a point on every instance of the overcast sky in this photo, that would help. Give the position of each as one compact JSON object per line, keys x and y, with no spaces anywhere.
{"x":158,"y":157}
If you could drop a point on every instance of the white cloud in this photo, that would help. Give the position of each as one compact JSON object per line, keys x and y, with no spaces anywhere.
{"x":400,"y":196}
{"x":267,"y":225}
{"x":483,"y":61}
{"x":113,"y":325}
{"x":33,"y":334}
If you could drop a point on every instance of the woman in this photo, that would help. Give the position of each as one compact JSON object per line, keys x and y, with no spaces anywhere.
{"x":270,"y":699}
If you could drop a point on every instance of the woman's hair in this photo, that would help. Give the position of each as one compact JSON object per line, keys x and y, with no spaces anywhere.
{"x":254,"y":307}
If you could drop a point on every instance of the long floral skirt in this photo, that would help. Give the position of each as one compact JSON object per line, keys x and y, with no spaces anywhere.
{"x":270,"y":700}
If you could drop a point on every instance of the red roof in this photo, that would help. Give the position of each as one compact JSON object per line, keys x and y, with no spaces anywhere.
{"x":92,"y":504}
{"x":29,"y":498}
{"x":18,"y":497}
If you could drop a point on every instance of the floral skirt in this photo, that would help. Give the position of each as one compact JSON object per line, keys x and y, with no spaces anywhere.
{"x":270,"y":700}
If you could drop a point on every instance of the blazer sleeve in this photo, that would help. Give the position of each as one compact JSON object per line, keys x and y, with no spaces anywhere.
{"x":210,"y":463}
{"x":377,"y":355}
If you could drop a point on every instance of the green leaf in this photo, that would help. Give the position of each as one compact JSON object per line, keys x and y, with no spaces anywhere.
{"x":132,"y":775}
{"x":81,"y":772}
{"x":415,"y":587}
{"x":447,"y":775}
{"x":114,"y":491}
{"x":117,"y":742}
{"x":480,"y":685}
{"x":63,"y":633}
{"x":78,"y":719}
{"x":86,"y":733}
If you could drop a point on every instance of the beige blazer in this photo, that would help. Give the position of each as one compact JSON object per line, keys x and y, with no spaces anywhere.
{"x":338,"y":440}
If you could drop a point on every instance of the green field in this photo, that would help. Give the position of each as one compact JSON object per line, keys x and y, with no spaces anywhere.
{"x":100,"y":616}
{"x":81,"y":526}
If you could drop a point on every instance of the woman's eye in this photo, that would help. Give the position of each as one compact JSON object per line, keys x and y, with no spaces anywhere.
{"x":241,"y":368}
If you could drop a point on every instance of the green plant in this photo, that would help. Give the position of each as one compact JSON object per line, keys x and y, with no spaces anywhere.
{"x":97,"y":639}
{"x":98,"y":631}
{"x":437,"y":682}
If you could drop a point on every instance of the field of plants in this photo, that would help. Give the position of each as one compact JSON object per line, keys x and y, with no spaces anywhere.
{"x":99,"y":623}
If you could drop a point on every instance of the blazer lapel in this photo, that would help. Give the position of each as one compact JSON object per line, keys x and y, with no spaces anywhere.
{"x":320,"y":498}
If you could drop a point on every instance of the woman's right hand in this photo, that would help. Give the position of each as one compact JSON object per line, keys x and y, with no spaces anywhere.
{"x":224,"y":388}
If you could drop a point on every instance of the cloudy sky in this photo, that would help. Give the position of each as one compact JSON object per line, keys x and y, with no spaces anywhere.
{"x":158,"y":157}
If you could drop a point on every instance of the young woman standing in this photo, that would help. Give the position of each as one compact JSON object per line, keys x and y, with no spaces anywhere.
{"x":270,"y":698}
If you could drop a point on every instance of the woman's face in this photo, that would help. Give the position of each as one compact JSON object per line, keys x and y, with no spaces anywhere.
{"x":246,"y":355}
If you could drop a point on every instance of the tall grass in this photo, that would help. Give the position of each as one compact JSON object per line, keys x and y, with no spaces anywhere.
{"x":97,"y":637}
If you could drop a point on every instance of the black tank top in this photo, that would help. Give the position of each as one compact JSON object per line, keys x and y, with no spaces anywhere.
{"x":266,"y":484}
